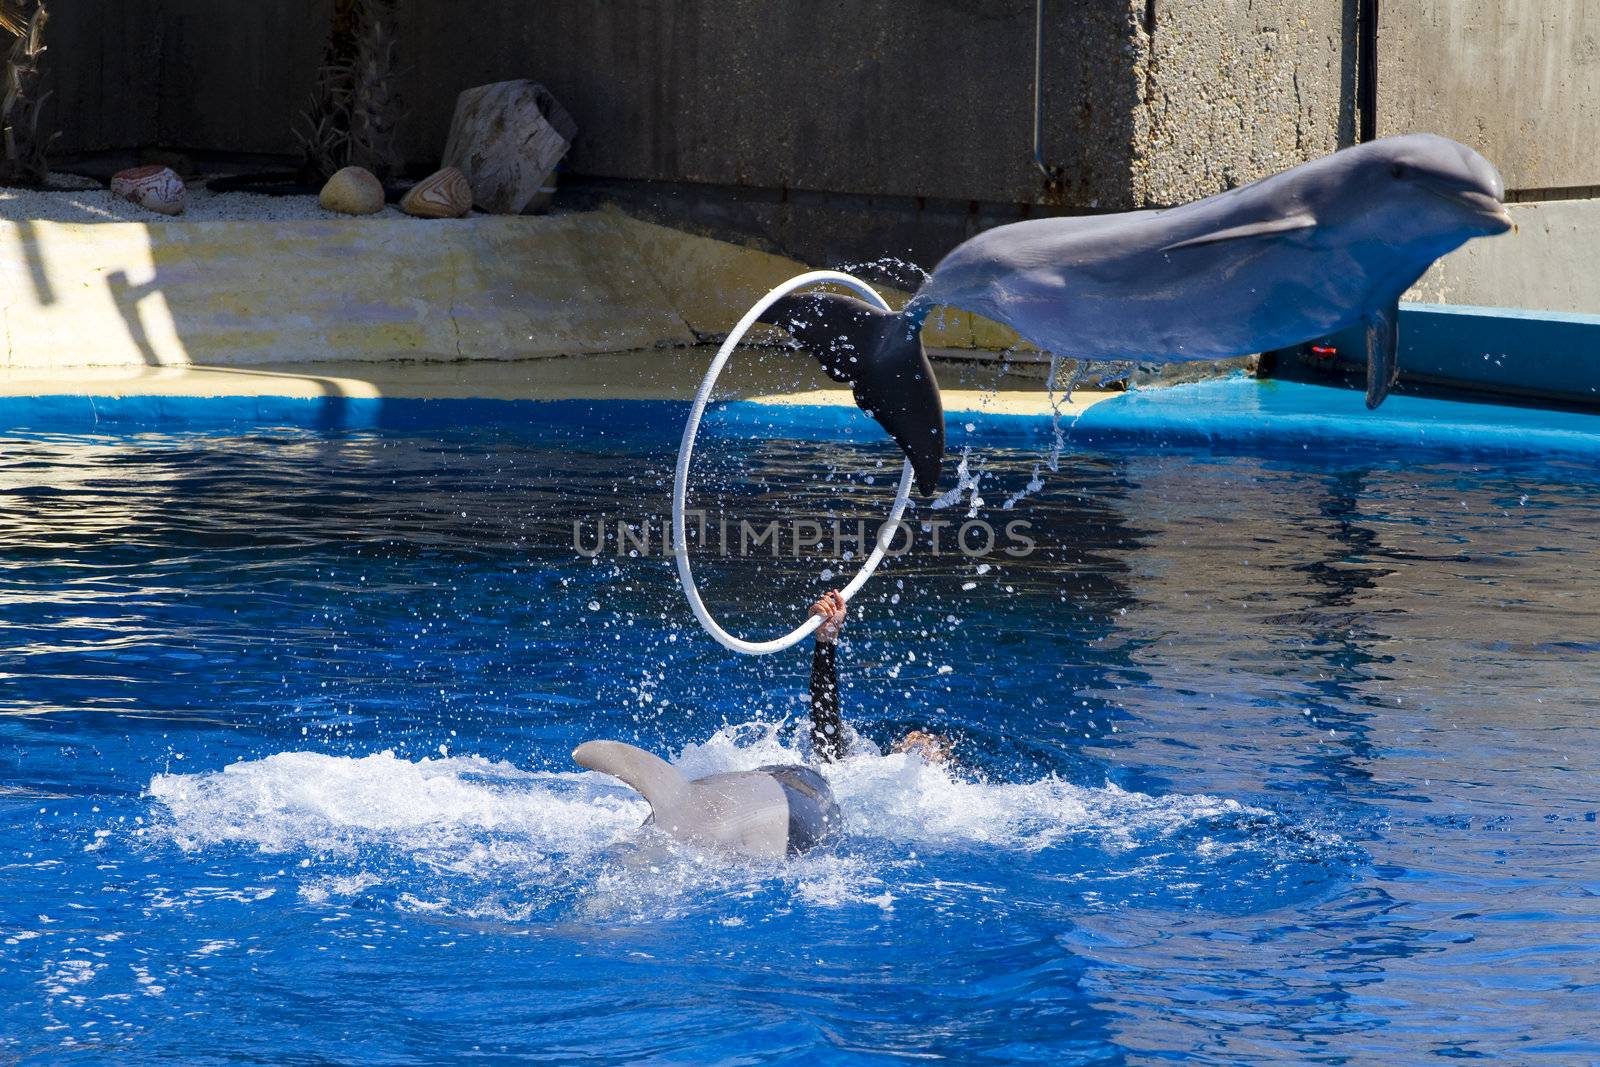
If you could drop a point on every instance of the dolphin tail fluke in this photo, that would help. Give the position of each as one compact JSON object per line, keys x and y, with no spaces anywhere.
{"x":1383,"y":353}
{"x":649,"y":775}
{"x":879,"y":354}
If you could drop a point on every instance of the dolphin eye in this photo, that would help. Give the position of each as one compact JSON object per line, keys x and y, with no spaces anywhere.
{"x":1399,"y":170}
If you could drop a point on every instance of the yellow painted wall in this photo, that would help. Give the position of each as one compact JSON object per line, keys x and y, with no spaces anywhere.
{"x":489,"y":287}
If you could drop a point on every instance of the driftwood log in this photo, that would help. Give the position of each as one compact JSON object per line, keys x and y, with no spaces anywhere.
{"x":507,"y":139}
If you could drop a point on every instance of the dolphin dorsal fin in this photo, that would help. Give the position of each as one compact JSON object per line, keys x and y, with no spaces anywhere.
{"x":1264,"y":228}
{"x":651,"y":777}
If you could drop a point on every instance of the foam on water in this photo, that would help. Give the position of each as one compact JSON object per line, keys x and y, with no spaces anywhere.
{"x":338,"y":804}
{"x":469,"y":836}
{"x":900,"y":799}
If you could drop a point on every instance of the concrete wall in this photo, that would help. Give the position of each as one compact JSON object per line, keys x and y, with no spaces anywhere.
{"x":187,"y":74}
{"x":1146,"y":101}
{"x":1547,"y":264}
{"x":1233,"y":92}
{"x":926,"y":98}
{"x":906,"y":98}
{"x":1519,"y":80}
{"x":843,"y":130}
{"x":228,"y":293}
{"x":881,"y":97}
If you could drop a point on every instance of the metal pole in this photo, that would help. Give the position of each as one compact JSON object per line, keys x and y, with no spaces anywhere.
{"x":1038,"y":83}
{"x":1367,"y":70}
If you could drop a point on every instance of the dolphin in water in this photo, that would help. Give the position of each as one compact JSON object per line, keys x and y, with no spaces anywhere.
{"x":771,"y":812}
{"x":1315,"y":249}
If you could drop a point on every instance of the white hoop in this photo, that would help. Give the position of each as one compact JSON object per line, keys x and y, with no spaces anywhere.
{"x":680,"y":483}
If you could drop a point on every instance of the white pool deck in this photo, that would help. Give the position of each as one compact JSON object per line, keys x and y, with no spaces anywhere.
{"x":767,"y":376}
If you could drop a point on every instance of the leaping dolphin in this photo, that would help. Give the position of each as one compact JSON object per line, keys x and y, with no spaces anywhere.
{"x":1299,"y":255}
{"x":771,"y":812}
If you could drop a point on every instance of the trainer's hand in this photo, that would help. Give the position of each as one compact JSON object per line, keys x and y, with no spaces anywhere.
{"x":831,"y":610}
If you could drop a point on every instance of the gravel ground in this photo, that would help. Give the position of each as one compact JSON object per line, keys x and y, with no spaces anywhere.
{"x":91,"y":202}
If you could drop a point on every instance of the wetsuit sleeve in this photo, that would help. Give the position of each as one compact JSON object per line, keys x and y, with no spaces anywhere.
{"x":827,"y":730}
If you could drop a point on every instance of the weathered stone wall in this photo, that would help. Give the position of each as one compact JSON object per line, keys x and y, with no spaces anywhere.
{"x":1519,"y":80}
{"x":928,"y":98}
{"x":189,"y":74}
{"x":231,"y":293}
{"x":1232,"y":92}
{"x":904,"y":98}
{"x":1547,"y":264}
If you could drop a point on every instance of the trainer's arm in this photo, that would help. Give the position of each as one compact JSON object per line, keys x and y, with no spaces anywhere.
{"x":827,"y":728}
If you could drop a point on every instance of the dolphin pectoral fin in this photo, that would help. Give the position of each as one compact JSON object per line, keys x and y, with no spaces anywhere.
{"x":652,"y":777}
{"x":1264,"y":228}
{"x":879,"y":354}
{"x":1383,"y":353}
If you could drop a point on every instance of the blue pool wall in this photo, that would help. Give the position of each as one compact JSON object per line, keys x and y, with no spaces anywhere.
{"x":1499,"y":352}
{"x":1233,"y":413}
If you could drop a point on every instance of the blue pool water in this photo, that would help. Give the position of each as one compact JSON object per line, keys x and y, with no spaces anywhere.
{"x":1269,"y":752}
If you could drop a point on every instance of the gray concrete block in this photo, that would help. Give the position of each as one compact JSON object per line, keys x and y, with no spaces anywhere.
{"x":1233,"y":92}
{"x":1549,"y":264}
{"x":1519,"y":80}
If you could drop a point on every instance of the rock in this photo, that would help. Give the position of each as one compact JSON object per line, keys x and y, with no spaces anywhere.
{"x":154,"y":187}
{"x":444,"y":194}
{"x":507,"y":139}
{"x":352,"y":191}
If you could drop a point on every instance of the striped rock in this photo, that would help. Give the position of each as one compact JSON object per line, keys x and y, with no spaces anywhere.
{"x":154,"y":187}
{"x":444,"y":194}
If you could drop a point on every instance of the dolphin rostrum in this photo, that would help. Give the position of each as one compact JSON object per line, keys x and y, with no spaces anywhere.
{"x":1329,"y":244}
{"x":771,"y":812}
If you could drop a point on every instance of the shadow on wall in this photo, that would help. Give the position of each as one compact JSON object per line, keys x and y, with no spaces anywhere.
{"x":425,"y":294}
{"x":132,"y":303}
{"x":127,"y":296}
{"x":329,"y":395}
{"x":136,"y":327}
{"x":43,"y":293}
{"x":242,"y":293}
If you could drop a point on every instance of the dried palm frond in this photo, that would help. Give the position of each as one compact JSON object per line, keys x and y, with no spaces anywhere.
{"x":353,"y":111}
{"x":13,"y":17}
{"x":374,"y":109}
{"x":24,"y":147}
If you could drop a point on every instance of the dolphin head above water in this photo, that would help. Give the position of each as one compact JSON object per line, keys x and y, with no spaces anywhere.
{"x":1418,"y":193}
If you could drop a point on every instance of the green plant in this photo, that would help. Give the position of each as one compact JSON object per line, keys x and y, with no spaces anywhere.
{"x":353,"y":111}
{"x":24,"y":147}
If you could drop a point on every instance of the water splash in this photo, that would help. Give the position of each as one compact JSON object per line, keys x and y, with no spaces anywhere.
{"x":1058,"y":437}
{"x":469,"y":836}
{"x":967,"y":481}
{"x":897,"y":270}
{"x":1035,"y":484}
